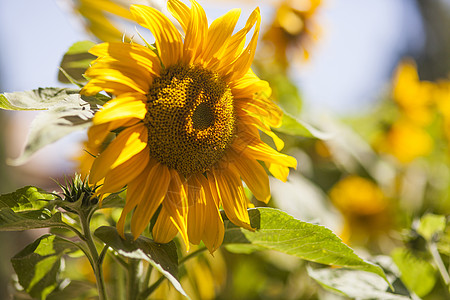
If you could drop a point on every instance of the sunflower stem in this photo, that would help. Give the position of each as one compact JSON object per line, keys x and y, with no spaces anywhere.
{"x":191,"y":255}
{"x":96,"y":261}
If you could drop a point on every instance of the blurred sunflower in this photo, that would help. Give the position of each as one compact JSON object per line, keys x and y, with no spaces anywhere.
{"x":99,"y":18}
{"x":405,"y":140}
{"x":414,"y":97}
{"x":187,"y":117}
{"x":293,"y":29}
{"x":363,"y":206}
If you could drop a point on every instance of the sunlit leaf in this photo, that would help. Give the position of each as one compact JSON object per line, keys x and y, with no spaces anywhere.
{"x":276,"y":230}
{"x":38,"y":265}
{"x":26,"y":198}
{"x":41,"y":218}
{"x":75,"y":61}
{"x":417,"y":274}
{"x":430,"y":225}
{"x":354,"y":284}
{"x":66,"y":111}
{"x":292,"y":126}
{"x":163,"y":257}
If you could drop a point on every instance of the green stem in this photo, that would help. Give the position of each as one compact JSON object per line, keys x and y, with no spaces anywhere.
{"x":439,"y":263}
{"x":191,"y":255}
{"x":146,"y":293}
{"x":96,"y":262}
{"x":133,"y":279}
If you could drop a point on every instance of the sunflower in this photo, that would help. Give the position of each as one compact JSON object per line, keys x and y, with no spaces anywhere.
{"x":188,"y":116}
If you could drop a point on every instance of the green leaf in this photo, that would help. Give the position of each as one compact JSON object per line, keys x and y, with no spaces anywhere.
{"x":431,"y":225}
{"x":41,"y":218}
{"x":75,"y":290}
{"x":66,"y":111}
{"x":75,"y":61}
{"x":276,"y":230}
{"x":418,"y":274}
{"x":39,"y":99}
{"x":354,"y":284}
{"x":26,"y":198}
{"x":292,"y":126}
{"x":38,"y":265}
{"x":163,"y":257}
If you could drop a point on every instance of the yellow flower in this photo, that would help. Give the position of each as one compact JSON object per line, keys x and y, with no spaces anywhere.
{"x":188,"y":120}
{"x":293,"y":29}
{"x":405,"y":140}
{"x":413,"y":96}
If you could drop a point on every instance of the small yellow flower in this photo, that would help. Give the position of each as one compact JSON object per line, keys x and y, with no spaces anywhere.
{"x":293,"y":29}
{"x":405,"y":140}
{"x":188,"y":120}
{"x":413,"y":96}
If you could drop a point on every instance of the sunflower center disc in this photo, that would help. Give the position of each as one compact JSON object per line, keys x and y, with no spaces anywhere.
{"x":190,"y":118}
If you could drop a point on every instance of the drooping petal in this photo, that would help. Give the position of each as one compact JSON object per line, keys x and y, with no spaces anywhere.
{"x":197,"y":209}
{"x":127,"y":144}
{"x":231,"y":192}
{"x":176,"y":205}
{"x":278,"y":171}
{"x":136,"y":191}
{"x":164,"y":230}
{"x":253,"y":175}
{"x":168,"y":40}
{"x":125,"y":173}
{"x":214,"y":230}
{"x":156,"y":188}
{"x":98,"y":132}
{"x":254,"y":147}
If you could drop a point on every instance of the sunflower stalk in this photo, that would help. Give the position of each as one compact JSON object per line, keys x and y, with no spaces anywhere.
{"x":96,"y":261}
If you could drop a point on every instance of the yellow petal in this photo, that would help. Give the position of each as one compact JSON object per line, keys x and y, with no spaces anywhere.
{"x":278,"y":171}
{"x":181,"y":12}
{"x":133,"y":54}
{"x":176,"y":205}
{"x":197,"y":209}
{"x":195,"y":33}
{"x":236,"y":44}
{"x":231,"y":192}
{"x":214,"y":229}
{"x":253,"y":175}
{"x":127,"y":144}
{"x":136,"y":191}
{"x":218,"y":34}
{"x":155,"y":190}
{"x":168,"y":39}
{"x":242,"y":64}
{"x":164,"y":230}
{"x":125,"y":173}
{"x":254,"y":147}
{"x":105,"y":76}
{"x":124,"y":107}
